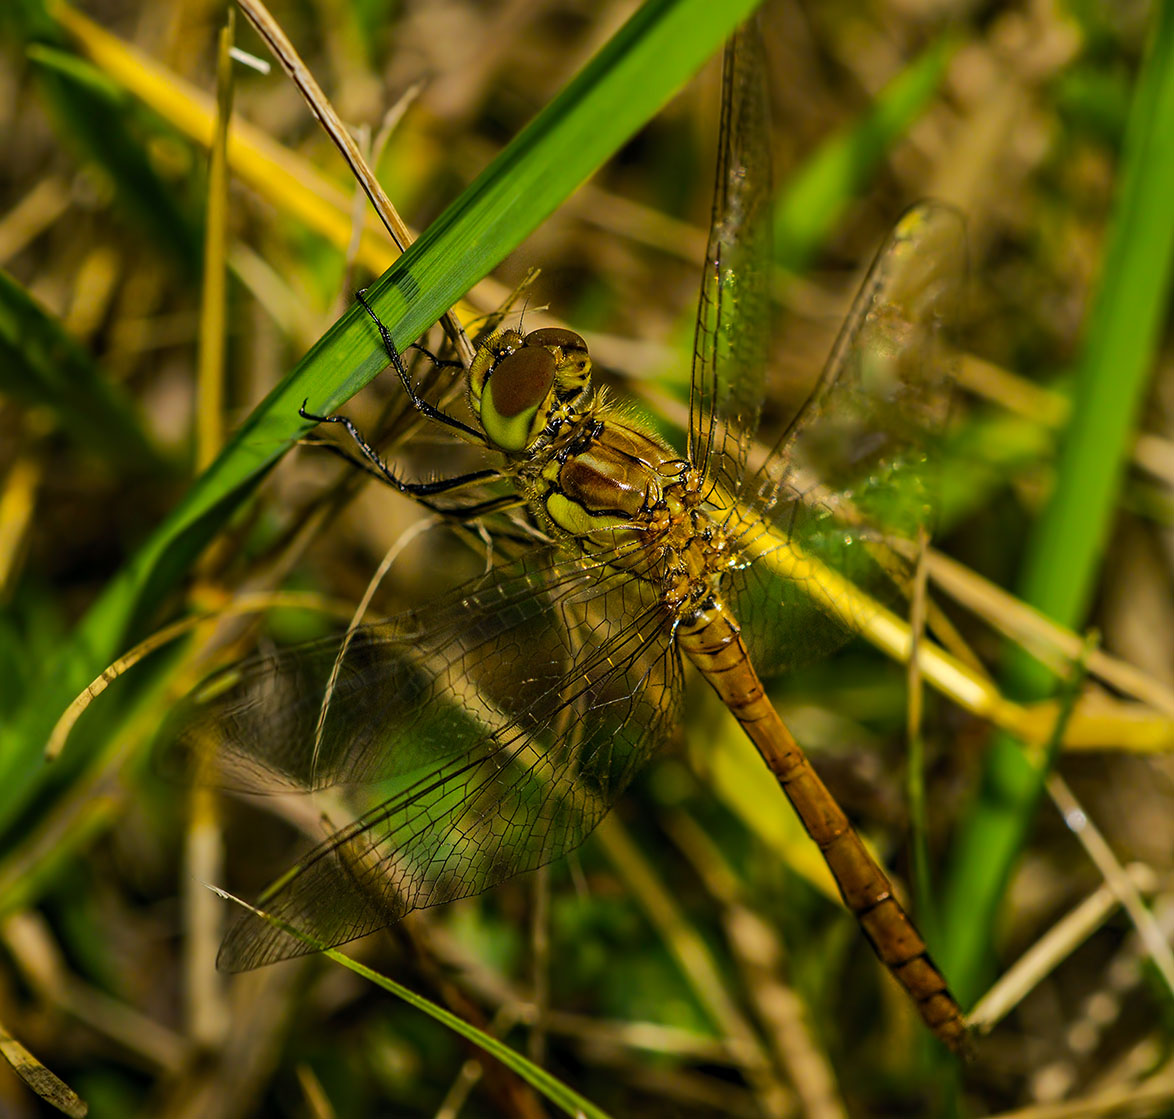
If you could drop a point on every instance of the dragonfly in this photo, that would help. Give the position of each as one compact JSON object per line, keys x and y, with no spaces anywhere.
{"x":492,"y":729}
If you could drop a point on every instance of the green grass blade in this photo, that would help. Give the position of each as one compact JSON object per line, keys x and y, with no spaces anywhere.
{"x":624,"y":85}
{"x":98,"y":122}
{"x":812,"y":203}
{"x":1065,"y":551}
{"x":542,"y":1081}
{"x":41,"y":365}
{"x":551,"y":1087}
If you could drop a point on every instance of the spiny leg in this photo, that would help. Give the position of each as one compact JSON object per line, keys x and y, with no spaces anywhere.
{"x":412,"y":489}
{"x":438,"y":362}
{"x":418,"y":402}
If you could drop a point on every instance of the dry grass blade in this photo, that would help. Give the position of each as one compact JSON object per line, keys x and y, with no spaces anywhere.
{"x":153,"y":1044}
{"x":49,"y":1087}
{"x":389,"y":558}
{"x":283,"y":50}
{"x":245,"y":604}
{"x":759,"y":952}
{"x":213,"y":326}
{"x":1055,"y":946}
{"x":693,"y":957}
{"x":1093,"y":841}
{"x":1021,"y":397}
{"x":43,"y":205}
{"x":1148,"y":1100}
{"x":1025,"y":625}
{"x":207,"y":1010}
{"x":285,"y":53}
{"x":315,"y":1097}
{"x":18,"y":503}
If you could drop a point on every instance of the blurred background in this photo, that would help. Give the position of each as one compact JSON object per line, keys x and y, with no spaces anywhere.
{"x":688,"y":961}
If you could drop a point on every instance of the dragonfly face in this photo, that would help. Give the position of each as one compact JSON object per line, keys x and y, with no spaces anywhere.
{"x":495,"y":727}
{"x":525,"y":387}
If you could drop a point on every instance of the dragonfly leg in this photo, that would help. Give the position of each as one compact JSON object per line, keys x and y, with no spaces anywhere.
{"x":419,"y":490}
{"x":418,"y":402}
{"x":439,"y":362}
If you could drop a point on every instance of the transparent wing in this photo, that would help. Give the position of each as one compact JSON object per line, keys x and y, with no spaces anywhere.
{"x":729,"y":346}
{"x":853,"y":480}
{"x":487,"y":736}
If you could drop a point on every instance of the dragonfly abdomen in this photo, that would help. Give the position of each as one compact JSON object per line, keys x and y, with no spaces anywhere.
{"x":713,"y":642}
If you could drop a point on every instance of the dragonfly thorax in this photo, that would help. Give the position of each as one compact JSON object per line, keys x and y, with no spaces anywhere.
{"x":522,"y":384}
{"x":612,"y":489}
{"x":604,"y":473}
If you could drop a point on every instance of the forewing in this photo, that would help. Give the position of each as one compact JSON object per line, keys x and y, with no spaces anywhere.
{"x":854,"y":479}
{"x":729,"y":347}
{"x":487,"y":735}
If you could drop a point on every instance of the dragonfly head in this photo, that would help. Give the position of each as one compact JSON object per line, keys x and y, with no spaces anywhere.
{"x":517,"y":380}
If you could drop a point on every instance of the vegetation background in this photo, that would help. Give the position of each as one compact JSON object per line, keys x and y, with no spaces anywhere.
{"x":688,"y":959}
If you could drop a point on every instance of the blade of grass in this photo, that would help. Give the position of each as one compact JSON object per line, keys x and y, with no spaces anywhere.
{"x":631,"y":77}
{"x":1068,"y":543}
{"x":552,"y":1088}
{"x":207,"y":1014}
{"x":41,"y":364}
{"x":52,"y":1089}
{"x":812,"y":203}
{"x":319,"y":104}
{"x":915,"y":762}
{"x":98,"y":122}
{"x":1053,"y":948}
{"x":210,"y":369}
{"x":295,"y":186}
{"x":697,"y":964}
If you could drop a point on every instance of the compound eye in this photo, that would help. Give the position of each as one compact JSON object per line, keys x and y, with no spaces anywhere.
{"x":565,"y":340}
{"x":519,"y":387}
{"x":573,"y":369}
